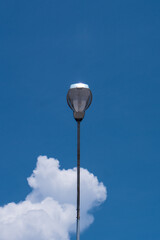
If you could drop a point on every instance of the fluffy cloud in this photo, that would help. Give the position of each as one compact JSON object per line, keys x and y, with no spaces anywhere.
{"x":49,"y":211}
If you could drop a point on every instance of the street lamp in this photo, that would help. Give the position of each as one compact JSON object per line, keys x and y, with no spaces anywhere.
{"x":79,"y":98}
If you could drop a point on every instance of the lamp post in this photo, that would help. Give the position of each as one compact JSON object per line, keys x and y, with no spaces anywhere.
{"x":79,"y":98}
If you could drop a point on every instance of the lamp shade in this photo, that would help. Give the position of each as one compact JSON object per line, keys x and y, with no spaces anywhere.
{"x":79,"y":98}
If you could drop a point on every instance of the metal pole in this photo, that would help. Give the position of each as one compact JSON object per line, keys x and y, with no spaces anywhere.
{"x":78,"y":180}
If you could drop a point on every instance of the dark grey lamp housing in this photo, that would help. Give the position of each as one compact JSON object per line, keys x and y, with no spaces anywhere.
{"x":79,"y":98}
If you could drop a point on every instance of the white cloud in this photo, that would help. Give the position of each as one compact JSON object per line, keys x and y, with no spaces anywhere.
{"x":49,"y":211}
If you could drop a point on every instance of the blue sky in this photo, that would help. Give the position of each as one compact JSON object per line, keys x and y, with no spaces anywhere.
{"x":114,"y":47}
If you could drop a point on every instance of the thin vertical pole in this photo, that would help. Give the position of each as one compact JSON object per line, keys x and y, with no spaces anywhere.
{"x":78,"y":180}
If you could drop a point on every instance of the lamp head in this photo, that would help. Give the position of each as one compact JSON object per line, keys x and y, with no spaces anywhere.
{"x":79,"y":98}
